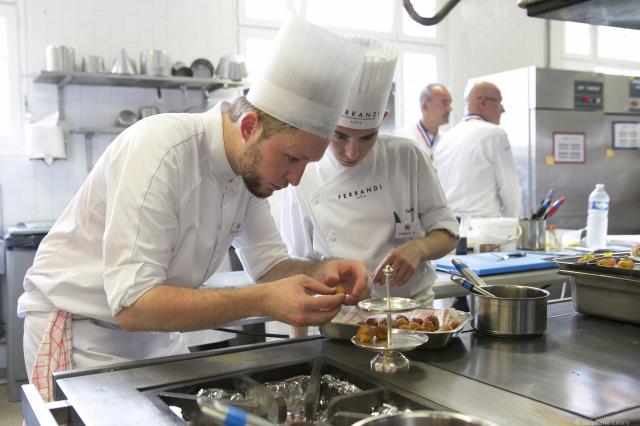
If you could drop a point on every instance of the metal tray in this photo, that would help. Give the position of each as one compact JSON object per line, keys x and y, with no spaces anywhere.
{"x":345,"y":325}
{"x":401,"y":341}
{"x":605,"y":295}
{"x":396,"y":304}
{"x":571,"y":264}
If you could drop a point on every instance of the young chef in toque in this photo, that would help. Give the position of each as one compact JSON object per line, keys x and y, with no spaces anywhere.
{"x":373,"y":198}
{"x":118,"y":274}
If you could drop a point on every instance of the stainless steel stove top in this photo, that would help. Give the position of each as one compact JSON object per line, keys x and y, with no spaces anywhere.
{"x":314,"y":392}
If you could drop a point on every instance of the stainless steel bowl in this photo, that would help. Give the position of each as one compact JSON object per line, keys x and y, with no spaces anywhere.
{"x":155,"y":62}
{"x":516,"y":311}
{"x":60,"y":58}
{"x":126,"y":118}
{"x":93,"y":63}
{"x":420,"y":418}
{"x":231,"y":67}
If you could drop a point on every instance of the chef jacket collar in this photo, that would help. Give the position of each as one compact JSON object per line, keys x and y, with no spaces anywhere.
{"x":220,"y":167}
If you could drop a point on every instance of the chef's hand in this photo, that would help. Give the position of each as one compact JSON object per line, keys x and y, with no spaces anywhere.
{"x":404,"y":260}
{"x":350,"y":275}
{"x":300,"y":300}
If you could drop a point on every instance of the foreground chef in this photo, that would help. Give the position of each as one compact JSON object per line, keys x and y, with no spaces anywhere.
{"x":435,"y":107}
{"x":474,"y":160}
{"x":157,"y":214}
{"x":373,"y":198}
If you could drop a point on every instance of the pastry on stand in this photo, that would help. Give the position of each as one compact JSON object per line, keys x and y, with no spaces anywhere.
{"x":390,"y":346}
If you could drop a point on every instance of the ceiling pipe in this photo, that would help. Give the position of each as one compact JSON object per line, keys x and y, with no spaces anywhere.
{"x":429,"y":21}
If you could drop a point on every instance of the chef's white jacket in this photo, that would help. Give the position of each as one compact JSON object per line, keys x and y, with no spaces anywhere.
{"x":348,"y":212}
{"x":477,"y":172}
{"x":161,"y":206}
{"x":412,"y":131}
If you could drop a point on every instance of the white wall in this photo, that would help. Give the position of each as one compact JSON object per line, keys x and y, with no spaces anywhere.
{"x":187,"y":29}
{"x":489,"y":36}
{"x":483,"y":37}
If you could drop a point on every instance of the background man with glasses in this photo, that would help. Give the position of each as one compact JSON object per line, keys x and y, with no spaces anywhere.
{"x":474,"y":160}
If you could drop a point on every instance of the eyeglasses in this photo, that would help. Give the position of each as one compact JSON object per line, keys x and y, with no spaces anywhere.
{"x":499,"y":101}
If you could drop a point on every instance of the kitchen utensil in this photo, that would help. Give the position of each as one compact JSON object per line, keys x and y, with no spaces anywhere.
{"x":92,"y":63}
{"x":126,"y":118}
{"x":60,"y":58}
{"x":202,"y":68}
{"x":553,"y":208}
{"x":507,"y":256}
{"x":470,"y":286}
{"x":607,"y":296}
{"x":544,"y":205}
{"x":53,"y":58}
{"x":516,"y":311}
{"x":533,"y":235}
{"x":424,"y":418}
{"x":180,"y":69}
{"x":147,"y":111}
{"x":467,"y":272}
{"x":123,"y":64}
{"x":231,"y":67}
{"x":155,"y":62}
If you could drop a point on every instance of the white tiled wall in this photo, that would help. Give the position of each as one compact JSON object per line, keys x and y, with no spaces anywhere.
{"x":187,"y":29}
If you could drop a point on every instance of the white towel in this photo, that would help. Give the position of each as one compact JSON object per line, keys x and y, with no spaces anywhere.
{"x":45,"y":139}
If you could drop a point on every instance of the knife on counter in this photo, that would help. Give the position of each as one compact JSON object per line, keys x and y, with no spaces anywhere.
{"x":506,"y":256}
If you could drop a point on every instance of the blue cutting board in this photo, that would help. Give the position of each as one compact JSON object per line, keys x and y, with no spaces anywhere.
{"x":488,"y":264}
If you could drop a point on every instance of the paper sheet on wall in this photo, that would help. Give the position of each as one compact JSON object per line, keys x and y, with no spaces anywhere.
{"x":626,"y":135}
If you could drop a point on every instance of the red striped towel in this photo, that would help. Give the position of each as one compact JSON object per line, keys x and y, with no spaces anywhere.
{"x":54,"y":353}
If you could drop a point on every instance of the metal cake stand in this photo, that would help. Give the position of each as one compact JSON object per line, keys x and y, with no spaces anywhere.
{"x":390,"y":358}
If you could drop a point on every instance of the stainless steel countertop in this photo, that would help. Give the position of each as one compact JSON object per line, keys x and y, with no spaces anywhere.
{"x":583,"y":368}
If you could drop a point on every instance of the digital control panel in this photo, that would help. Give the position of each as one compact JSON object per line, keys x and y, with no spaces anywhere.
{"x":588,"y":95}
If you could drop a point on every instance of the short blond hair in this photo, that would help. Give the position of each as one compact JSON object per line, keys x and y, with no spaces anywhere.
{"x":270,"y":125}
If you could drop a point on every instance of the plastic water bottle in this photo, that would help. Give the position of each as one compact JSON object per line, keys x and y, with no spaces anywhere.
{"x":597,"y":218}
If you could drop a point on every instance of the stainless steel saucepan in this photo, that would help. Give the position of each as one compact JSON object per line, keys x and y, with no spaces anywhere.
{"x":516,"y":311}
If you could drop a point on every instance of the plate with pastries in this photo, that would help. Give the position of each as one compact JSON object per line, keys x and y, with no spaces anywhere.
{"x":441,"y":325}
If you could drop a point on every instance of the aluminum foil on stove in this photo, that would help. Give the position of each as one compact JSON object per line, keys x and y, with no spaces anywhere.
{"x":217,"y":393}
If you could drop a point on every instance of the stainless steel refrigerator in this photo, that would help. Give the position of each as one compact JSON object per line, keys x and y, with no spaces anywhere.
{"x":570,"y":130}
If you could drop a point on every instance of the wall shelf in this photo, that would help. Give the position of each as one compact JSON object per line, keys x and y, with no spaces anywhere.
{"x":97,"y":130}
{"x":63,"y":78}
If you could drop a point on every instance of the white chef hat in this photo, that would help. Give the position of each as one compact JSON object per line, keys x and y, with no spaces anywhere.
{"x":368,"y":97}
{"x":307,"y":80}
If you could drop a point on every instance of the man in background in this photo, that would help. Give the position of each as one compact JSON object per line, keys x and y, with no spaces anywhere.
{"x":435,"y":105}
{"x":474,"y":160}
